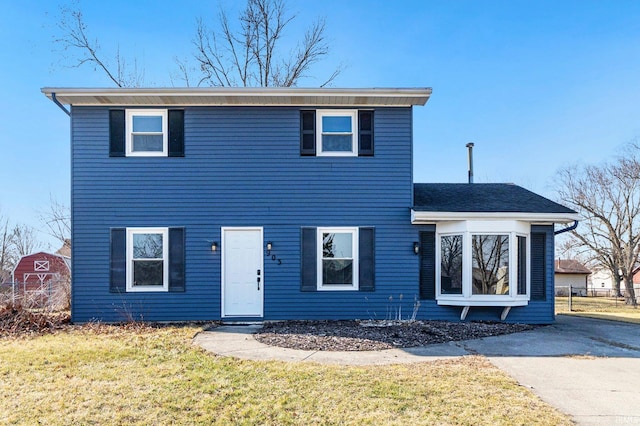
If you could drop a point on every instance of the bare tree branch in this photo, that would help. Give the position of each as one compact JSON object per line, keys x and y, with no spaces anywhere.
{"x":24,"y":241}
{"x":608,"y":198}
{"x":57,"y":221}
{"x":74,"y":38}
{"x":7,"y":253}
{"x":249,"y":53}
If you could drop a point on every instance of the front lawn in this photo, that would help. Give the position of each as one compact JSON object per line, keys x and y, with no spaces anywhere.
{"x":144,"y":375}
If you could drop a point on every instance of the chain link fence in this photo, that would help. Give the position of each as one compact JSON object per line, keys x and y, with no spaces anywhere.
{"x":580,"y":299}
{"x":52,"y":294}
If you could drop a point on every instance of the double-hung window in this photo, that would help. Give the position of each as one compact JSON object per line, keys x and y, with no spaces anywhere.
{"x":146,"y":132}
{"x":147,"y":259}
{"x":337,"y":132}
{"x":337,"y":258}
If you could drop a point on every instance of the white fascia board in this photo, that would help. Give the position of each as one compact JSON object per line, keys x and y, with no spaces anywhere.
{"x":234,"y":96}
{"x":425,"y":218}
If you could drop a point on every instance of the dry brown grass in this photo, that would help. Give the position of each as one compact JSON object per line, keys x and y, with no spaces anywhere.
{"x":609,"y":308}
{"x":145,"y":375}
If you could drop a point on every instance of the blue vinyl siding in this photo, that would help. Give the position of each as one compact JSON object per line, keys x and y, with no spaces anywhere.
{"x":242,"y":167}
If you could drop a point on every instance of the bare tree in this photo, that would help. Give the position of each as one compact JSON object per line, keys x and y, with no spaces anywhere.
{"x":23,"y":240}
{"x":249,"y":54}
{"x":246,"y":54}
{"x":79,"y":49}
{"x":7,"y":253}
{"x":608,"y":199}
{"x":57,"y":221}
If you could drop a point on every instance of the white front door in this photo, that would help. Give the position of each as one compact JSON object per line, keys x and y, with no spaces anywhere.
{"x":242,"y":272}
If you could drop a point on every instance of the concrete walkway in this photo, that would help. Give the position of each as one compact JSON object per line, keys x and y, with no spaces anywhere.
{"x":587,"y":368}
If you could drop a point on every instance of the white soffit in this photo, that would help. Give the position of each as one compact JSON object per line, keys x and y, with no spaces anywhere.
{"x":227,"y":96}
{"x":420,"y":217}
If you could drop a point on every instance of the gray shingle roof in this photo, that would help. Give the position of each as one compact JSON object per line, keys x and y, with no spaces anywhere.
{"x":481,"y":198}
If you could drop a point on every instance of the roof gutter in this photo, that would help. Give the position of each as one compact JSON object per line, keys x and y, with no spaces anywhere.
{"x":57,"y":102}
{"x":567,"y":229}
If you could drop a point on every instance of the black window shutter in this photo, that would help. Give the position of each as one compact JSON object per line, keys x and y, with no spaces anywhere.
{"x":365,"y":133}
{"x":118,"y":261}
{"x":428,"y":265}
{"x":176,"y":132}
{"x":307,"y":133}
{"x":308,"y":275}
{"x":522,"y":265}
{"x":367,"y":265}
{"x":176,"y":259}
{"x":116,"y":133}
{"x":538,"y":266}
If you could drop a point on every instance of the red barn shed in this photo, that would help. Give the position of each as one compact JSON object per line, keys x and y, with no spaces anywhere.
{"x":35,"y":271}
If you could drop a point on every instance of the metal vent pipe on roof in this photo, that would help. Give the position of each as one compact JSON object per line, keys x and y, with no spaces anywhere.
{"x":470,"y":146}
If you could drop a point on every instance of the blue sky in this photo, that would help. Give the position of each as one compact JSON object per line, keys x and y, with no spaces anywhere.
{"x":536,"y":85}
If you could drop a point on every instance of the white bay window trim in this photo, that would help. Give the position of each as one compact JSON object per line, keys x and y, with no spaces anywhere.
{"x":353,"y":232}
{"x":130,"y":114}
{"x":131,"y":286}
{"x":320,"y":132}
{"x":467,"y":229}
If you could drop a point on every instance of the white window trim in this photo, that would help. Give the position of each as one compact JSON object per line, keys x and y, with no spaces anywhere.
{"x":467,"y":229}
{"x":165,"y":259}
{"x":41,"y":265}
{"x":130,"y":113}
{"x":353,"y":113}
{"x":355,"y":238}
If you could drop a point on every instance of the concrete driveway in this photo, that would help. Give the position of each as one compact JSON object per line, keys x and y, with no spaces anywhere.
{"x":587,"y":368}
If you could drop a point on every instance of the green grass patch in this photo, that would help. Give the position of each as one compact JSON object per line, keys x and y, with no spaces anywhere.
{"x":111,"y":375}
{"x":609,"y":308}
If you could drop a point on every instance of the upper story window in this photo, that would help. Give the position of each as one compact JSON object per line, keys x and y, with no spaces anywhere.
{"x":482,"y":262}
{"x":336,"y":132}
{"x":146,"y":133}
{"x":139,"y":132}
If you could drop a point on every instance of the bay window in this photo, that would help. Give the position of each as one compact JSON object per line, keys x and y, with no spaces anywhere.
{"x":482,"y":263}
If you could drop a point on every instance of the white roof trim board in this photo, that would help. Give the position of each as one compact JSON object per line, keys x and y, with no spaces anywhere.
{"x":245,"y":96}
{"x":420,"y":217}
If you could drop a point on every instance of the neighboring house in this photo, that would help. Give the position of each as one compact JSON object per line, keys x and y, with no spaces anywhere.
{"x":37,"y":271}
{"x":600,"y":282}
{"x":65,"y":249}
{"x":571,"y":275}
{"x":248,"y":204}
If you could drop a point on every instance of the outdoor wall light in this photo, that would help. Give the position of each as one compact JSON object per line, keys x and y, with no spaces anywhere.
{"x":269,"y":246}
{"x":416,"y":247}
{"x":214,"y":247}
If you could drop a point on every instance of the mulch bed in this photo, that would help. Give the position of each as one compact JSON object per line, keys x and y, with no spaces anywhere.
{"x":376,"y":335}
